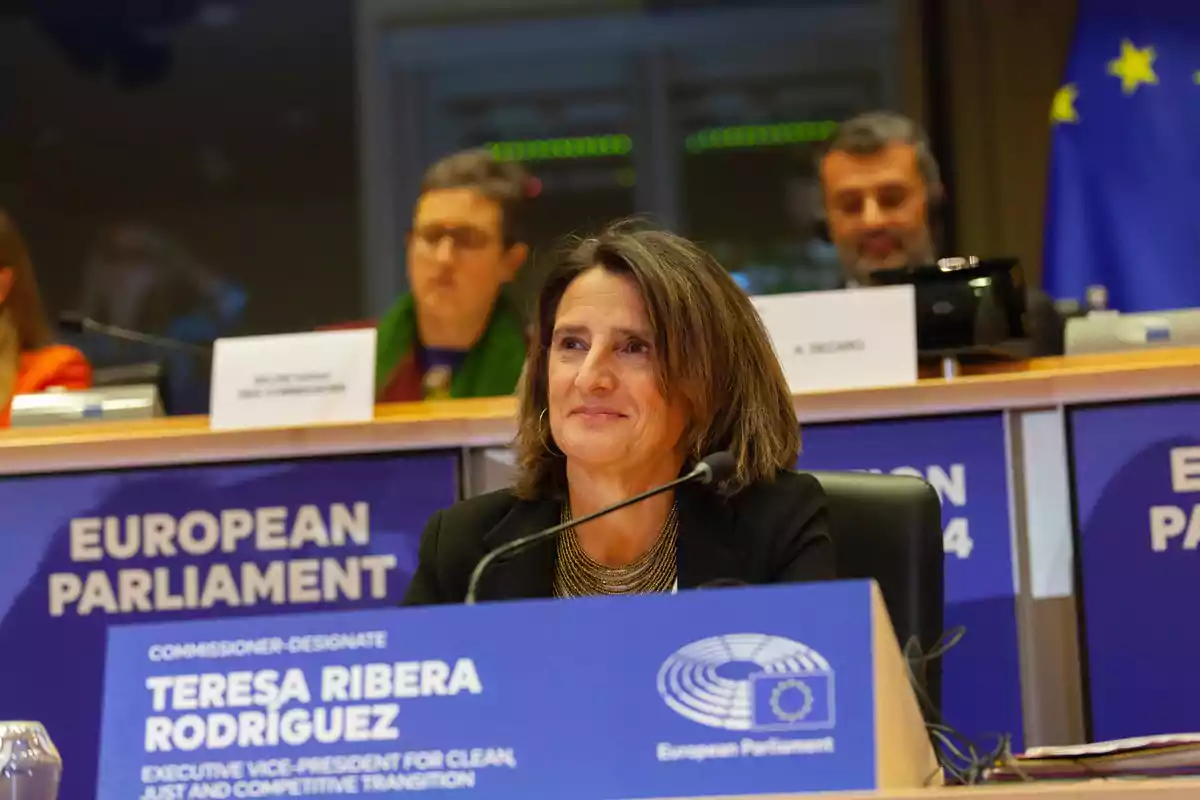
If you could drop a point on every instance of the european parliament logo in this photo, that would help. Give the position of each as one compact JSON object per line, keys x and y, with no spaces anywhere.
{"x":749,"y":682}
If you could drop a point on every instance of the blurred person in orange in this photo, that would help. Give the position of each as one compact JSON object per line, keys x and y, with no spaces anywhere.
{"x":29,"y":360}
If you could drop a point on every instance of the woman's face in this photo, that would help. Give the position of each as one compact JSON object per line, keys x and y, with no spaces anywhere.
{"x":606,"y":408}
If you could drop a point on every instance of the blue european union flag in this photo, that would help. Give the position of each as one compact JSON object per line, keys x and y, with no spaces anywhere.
{"x":1125,"y":167}
{"x":792,"y":701}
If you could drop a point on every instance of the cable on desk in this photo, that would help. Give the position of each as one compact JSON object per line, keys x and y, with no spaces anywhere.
{"x":961,"y":758}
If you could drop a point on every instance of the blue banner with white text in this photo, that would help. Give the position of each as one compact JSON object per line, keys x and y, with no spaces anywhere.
{"x":965,"y":459}
{"x":1136,"y":479}
{"x":741,"y":691}
{"x":80,"y":553}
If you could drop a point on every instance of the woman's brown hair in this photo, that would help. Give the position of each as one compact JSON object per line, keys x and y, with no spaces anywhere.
{"x":24,"y":302}
{"x":714,"y":355}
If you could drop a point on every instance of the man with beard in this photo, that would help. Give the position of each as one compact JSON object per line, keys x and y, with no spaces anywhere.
{"x":880,"y":182}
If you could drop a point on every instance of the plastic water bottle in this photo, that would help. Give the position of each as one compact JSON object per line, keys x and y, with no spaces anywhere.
{"x":30,"y":766}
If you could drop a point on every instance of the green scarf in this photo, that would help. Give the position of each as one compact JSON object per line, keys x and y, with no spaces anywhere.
{"x":490,"y":369}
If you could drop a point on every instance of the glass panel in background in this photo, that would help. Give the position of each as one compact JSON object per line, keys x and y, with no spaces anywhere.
{"x":211,"y":141}
{"x":185,"y":169}
{"x":569,"y":124}
{"x":555,"y":91}
{"x":694,"y":113}
{"x":753,"y":114}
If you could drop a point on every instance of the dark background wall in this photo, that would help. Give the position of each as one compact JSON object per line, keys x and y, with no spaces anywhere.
{"x":237,"y":137}
{"x":232,"y":126}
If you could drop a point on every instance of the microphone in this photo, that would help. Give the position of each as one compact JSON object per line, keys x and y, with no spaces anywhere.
{"x":75,"y":322}
{"x":711,"y":469}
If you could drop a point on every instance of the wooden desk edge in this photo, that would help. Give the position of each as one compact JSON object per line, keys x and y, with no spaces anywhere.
{"x":1102,"y":789}
{"x":490,"y":422}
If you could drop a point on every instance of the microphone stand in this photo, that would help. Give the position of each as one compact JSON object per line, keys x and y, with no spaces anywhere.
{"x":702,"y":472}
{"x":114,"y":332}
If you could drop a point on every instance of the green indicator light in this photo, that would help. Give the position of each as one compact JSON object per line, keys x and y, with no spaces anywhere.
{"x":558,"y":149}
{"x":747,"y":136}
{"x":619,"y":144}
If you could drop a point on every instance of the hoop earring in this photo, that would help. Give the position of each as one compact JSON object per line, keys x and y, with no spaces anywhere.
{"x":542,"y":428}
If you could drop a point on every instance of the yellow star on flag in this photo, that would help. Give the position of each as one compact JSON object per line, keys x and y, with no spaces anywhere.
{"x":1196,"y":77}
{"x":1134,"y":67}
{"x":1063,"y":107}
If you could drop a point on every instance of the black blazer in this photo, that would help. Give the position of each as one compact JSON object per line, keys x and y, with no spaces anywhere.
{"x":768,"y":533}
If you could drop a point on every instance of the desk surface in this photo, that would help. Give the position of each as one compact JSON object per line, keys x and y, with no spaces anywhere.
{"x":1043,"y":383}
{"x":1167,"y":789}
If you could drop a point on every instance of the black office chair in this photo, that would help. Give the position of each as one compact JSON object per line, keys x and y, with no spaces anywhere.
{"x":889,"y":527}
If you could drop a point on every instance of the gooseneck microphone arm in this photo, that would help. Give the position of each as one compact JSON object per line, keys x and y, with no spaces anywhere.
{"x":711,"y":469}
{"x":78,"y":323}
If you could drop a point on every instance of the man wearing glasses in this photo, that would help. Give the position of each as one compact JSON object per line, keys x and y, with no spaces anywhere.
{"x":456,"y":334}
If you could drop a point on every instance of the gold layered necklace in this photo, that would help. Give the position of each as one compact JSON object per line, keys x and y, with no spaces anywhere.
{"x":578,"y":575}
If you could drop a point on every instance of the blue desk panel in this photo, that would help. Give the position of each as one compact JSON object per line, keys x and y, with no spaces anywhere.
{"x":80,"y":553}
{"x":966,"y":460}
{"x":1136,"y":481}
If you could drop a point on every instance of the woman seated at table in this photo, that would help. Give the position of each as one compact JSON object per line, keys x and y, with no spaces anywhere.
{"x":646,"y":357}
{"x":29,"y":362}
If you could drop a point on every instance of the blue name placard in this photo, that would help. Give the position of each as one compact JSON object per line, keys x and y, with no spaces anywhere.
{"x":703,"y":693}
{"x":965,"y":459}
{"x":1136,"y":475}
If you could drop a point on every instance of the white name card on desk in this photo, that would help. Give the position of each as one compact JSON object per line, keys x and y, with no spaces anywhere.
{"x":844,"y":339}
{"x":293,"y":379}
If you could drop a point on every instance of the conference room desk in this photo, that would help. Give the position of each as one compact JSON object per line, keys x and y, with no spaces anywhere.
{"x":994,"y":442}
{"x":1032,"y":385}
{"x":467,"y":424}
